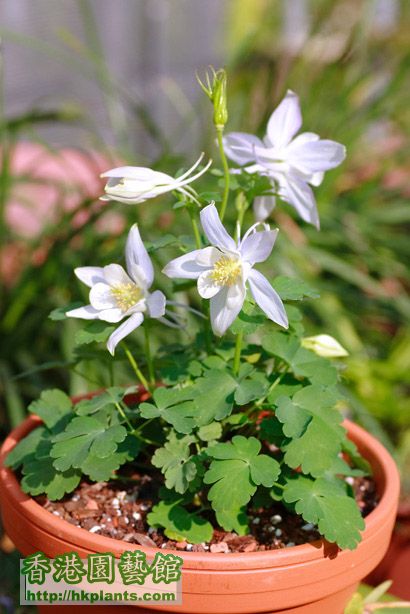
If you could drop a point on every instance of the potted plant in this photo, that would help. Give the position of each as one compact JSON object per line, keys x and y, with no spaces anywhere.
{"x":272,"y":500}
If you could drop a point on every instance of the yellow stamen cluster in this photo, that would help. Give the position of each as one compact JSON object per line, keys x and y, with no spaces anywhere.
{"x":226,"y":271}
{"x":126,"y":295}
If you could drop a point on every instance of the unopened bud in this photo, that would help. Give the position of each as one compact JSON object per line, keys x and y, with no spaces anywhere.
{"x":324,"y":345}
{"x":215,"y":88}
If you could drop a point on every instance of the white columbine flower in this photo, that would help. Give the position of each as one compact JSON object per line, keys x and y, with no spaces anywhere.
{"x":324,"y":345}
{"x":135,"y":184}
{"x":117,"y":294}
{"x":293,"y":163}
{"x":224,"y":269}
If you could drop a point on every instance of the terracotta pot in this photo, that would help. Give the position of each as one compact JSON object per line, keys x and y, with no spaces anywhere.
{"x":395,"y":565}
{"x":307,"y":579}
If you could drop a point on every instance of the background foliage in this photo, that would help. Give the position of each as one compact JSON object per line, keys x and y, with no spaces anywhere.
{"x":350,"y":69}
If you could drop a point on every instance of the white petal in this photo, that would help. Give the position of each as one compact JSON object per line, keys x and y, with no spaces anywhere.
{"x":256,"y":168}
{"x":115,"y":275}
{"x":285,"y":121}
{"x":122,"y":331}
{"x":101,"y":297}
{"x":193,"y":167}
{"x":263,"y":207}
{"x":185,"y":266}
{"x":257,"y":246}
{"x":239,"y":147}
{"x":316,"y":179}
{"x":208,"y":256}
{"x":89,"y":275}
{"x":267,"y":298}
{"x":156,"y":304}
{"x":215,"y":230}
{"x":141,"y":184}
{"x":137,"y":259}
{"x":127,"y":200}
{"x":225,"y":306}
{"x":207,"y":288}
{"x":184,"y":180}
{"x":304,"y":137}
{"x":316,"y":156}
{"x":138,"y":173}
{"x":85,"y":313}
{"x":113,"y":315}
{"x":297,"y":193}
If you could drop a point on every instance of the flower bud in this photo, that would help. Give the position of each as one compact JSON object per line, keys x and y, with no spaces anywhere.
{"x":324,"y":345}
{"x":215,"y":89}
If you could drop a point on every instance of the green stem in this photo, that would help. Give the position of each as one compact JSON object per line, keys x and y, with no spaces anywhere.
{"x":135,"y":367}
{"x":143,"y":425}
{"x":195,"y":227}
{"x":207,"y":328}
{"x":124,"y":417}
{"x":227,"y":178}
{"x":237,"y":355}
{"x":148,"y":355}
{"x":272,"y":387}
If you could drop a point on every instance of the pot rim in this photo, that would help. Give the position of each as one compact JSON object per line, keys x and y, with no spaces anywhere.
{"x":387,"y":478}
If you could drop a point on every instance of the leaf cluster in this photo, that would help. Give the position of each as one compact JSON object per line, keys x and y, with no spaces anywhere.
{"x":220,"y":438}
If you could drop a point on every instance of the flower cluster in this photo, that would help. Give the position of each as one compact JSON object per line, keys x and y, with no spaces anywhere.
{"x":237,"y":421}
{"x":225,"y":269}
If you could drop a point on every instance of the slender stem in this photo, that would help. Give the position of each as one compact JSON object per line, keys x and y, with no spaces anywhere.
{"x":123,"y":416}
{"x":143,"y":425}
{"x":148,"y":354}
{"x":207,"y":328}
{"x":195,"y":228}
{"x":270,"y":389}
{"x":135,"y":367}
{"x":237,"y":355}
{"x":227,"y":178}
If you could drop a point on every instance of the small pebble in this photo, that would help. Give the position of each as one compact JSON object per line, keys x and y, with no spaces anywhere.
{"x":136,"y":515}
{"x":271,"y":529}
{"x":95,"y":529}
{"x":56,"y":513}
{"x":278,"y":532}
{"x":308,"y":526}
{"x":349,"y":480}
{"x":276,"y":519}
{"x":256,"y":520}
{"x":115,"y":502}
{"x":189,"y":547}
{"x":290,"y":544}
{"x":144,"y":507}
